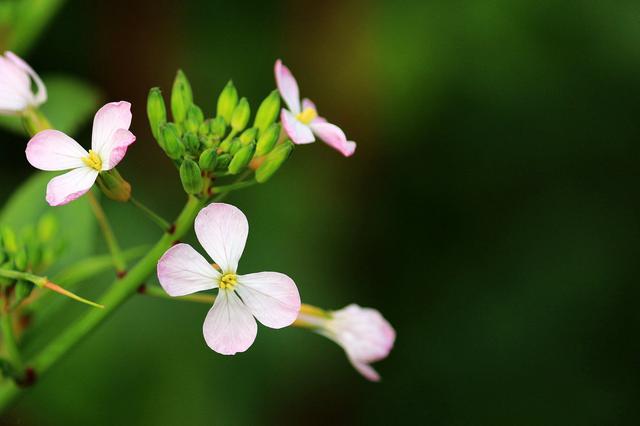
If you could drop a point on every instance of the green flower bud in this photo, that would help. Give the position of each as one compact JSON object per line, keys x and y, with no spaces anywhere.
{"x":205,"y":128}
{"x":268,"y":111}
{"x":191,"y":177}
{"x":223,"y":162}
{"x":240,"y":116}
{"x":22,"y":291}
{"x":114,"y":186}
{"x":195,"y":117}
{"x":248,"y":136}
{"x":8,"y":265}
{"x":227,"y":102}
{"x":171,"y":143}
{"x":156,"y":111}
{"x":242,"y":158}
{"x":273,"y":161}
{"x":20,"y":260}
{"x":235,"y":146}
{"x":181,"y":97}
{"x":218,"y":128}
{"x":47,"y":228}
{"x":208,"y":160}
{"x":191,"y":143}
{"x":268,"y":139}
{"x":9,"y":240}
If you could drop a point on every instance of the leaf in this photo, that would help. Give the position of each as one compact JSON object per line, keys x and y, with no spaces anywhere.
{"x":75,"y":220}
{"x":23,"y":21}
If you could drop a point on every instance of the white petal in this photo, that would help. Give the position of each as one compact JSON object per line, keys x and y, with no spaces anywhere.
{"x":272,"y":297}
{"x":222,"y":230}
{"x":287,"y":86}
{"x":108,"y":120}
{"x":39,"y":97}
{"x":53,"y":150}
{"x":229,"y":327}
{"x":333,"y":136}
{"x":116,"y":148}
{"x":15,"y":87}
{"x":299,"y":132}
{"x":182,"y":270}
{"x":366,"y":370}
{"x":70,"y":186}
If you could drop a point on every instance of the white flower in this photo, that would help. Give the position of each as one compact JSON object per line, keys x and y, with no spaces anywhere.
{"x":16,"y":78}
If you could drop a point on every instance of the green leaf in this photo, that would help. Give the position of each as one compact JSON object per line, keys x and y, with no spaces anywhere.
{"x":23,"y":21}
{"x":75,"y":220}
{"x":71,"y":104}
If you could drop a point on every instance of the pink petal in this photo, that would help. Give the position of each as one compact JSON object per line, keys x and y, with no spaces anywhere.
{"x":229,"y":327}
{"x":108,"y":120}
{"x":41,"y":95}
{"x":307,"y":103}
{"x":333,"y":136}
{"x":70,"y":186}
{"x":298,"y":132}
{"x":118,"y":145}
{"x":272,"y":297}
{"x":53,"y":150}
{"x":222,"y":230}
{"x":182,"y":270}
{"x":366,"y":370}
{"x":287,"y":86}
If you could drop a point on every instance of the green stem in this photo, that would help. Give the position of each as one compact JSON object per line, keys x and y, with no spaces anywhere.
{"x":10,"y":345}
{"x":120,"y":291}
{"x":109,"y":236}
{"x":155,"y":291}
{"x":163,"y":224}
{"x":234,"y":186}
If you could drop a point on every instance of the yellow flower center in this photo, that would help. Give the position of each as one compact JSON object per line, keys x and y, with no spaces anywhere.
{"x":93,"y":160}
{"x":228,"y":281}
{"x":307,"y":116}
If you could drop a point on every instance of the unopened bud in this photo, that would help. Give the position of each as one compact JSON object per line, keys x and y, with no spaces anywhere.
{"x":248,"y":136}
{"x":218,"y":128}
{"x":22,"y":291}
{"x":204,"y":129}
{"x":47,"y":228}
{"x":191,"y":143}
{"x":156,"y":111}
{"x":235,"y":146}
{"x":9,"y":240}
{"x":241,"y":158}
{"x":195,"y":117}
{"x":268,"y":139}
{"x":20,"y":260}
{"x":240,"y":116}
{"x":114,"y":186}
{"x":268,"y":111}
{"x":208,"y":160}
{"x":191,"y":177}
{"x":273,"y":161}
{"x":170,"y":141}
{"x":227,"y":102}
{"x":181,"y":97}
{"x":223,"y":162}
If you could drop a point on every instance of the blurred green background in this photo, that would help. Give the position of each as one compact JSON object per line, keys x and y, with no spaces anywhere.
{"x":490,"y":212}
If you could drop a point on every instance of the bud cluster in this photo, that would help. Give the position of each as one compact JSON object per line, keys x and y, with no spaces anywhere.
{"x":204,"y":148}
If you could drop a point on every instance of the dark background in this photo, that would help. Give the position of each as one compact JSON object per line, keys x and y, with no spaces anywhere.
{"x":490,"y":212}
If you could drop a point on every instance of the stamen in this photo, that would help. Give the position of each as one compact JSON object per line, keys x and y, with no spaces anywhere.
{"x":228,"y":281}
{"x":307,"y":116}
{"x":93,"y":160}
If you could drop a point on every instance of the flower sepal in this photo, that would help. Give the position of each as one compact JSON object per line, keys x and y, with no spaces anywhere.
{"x":114,"y":186}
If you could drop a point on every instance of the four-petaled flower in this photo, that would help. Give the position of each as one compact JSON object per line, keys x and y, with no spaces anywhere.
{"x":229,"y":327}
{"x":301,"y":121}
{"x":15,"y":85}
{"x":53,"y":150}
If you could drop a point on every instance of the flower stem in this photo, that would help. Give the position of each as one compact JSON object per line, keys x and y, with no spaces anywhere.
{"x":109,"y":236}
{"x":10,"y":344}
{"x":151,"y":214}
{"x":234,"y":186}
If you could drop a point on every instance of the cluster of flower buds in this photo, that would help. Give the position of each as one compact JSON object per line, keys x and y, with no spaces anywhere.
{"x":31,"y":250}
{"x":204,"y":148}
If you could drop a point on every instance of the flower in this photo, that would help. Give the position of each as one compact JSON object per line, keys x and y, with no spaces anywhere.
{"x":301,"y":124}
{"x":363,"y":333}
{"x":15,"y":85}
{"x":271,"y":297}
{"x":53,"y":150}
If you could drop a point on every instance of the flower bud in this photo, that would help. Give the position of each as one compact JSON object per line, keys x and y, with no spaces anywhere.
{"x":20,"y":260}
{"x":47,"y":228}
{"x":268,"y":139}
{"x":191,"y":177}
{"x":9,"y":240}
{"x":156,"y":111}
{"x":205,"y":128}
{"x":195,"y":117}
{"x":273,"y":161}
{"x":223,"y":162}
{"x":241,"y":158}
{"x":114,"y":186}
{"x":218,"y":128}
{"x":248,"y":136}
{"x":240,"y":116}
{"x":191,"y":143}
{"x":268,"y":111}
{"x":208,"y":160}
{"x":22,"y":290}
{"x":227,"y":102}
{"x":235,"y":146}
{"x":181,"y":97}
{"x":170,"y":141}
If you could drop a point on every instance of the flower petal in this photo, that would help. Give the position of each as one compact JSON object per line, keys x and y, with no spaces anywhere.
{"x":287,"y":86}
{"x":182,"y":271}
{"x":117,"y":147}
{"x":53,"y":150}
{"x":272,"y":297}
{"x":222,"y":230}
{"x":41,"y":95}
{"x":333,"y":136}
{"x":298,"y":132}
{"x":366,"y":370}
{"x":70,"y":186}
{"x":229,"y":326}
{"x":109,"y":119}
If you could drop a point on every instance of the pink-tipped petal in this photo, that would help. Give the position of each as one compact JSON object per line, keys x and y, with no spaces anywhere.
{"x":366,"y":370}
{"x":307,"y":103}
{"x":53,"y":150}
{"x":299,"y":132}
{"x":272,"y":297}
{"x":39,"y":97}
{"x":107,"y":121}
{"x":222,"y":230}
{"x":70,"y":186}
{"x":117,"y":148}
{"x":287,"y":86}
{"x":333,"y":136}
{"x":182,"y":271}
{"x":229,"y":327}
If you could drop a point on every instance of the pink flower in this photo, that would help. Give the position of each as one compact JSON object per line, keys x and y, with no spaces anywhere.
{"x":270,"y":297}
{"x":53,"y":150}
{"x":15,"y":85}
{"x":363,"y":333}
{"x":301,"y":122}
